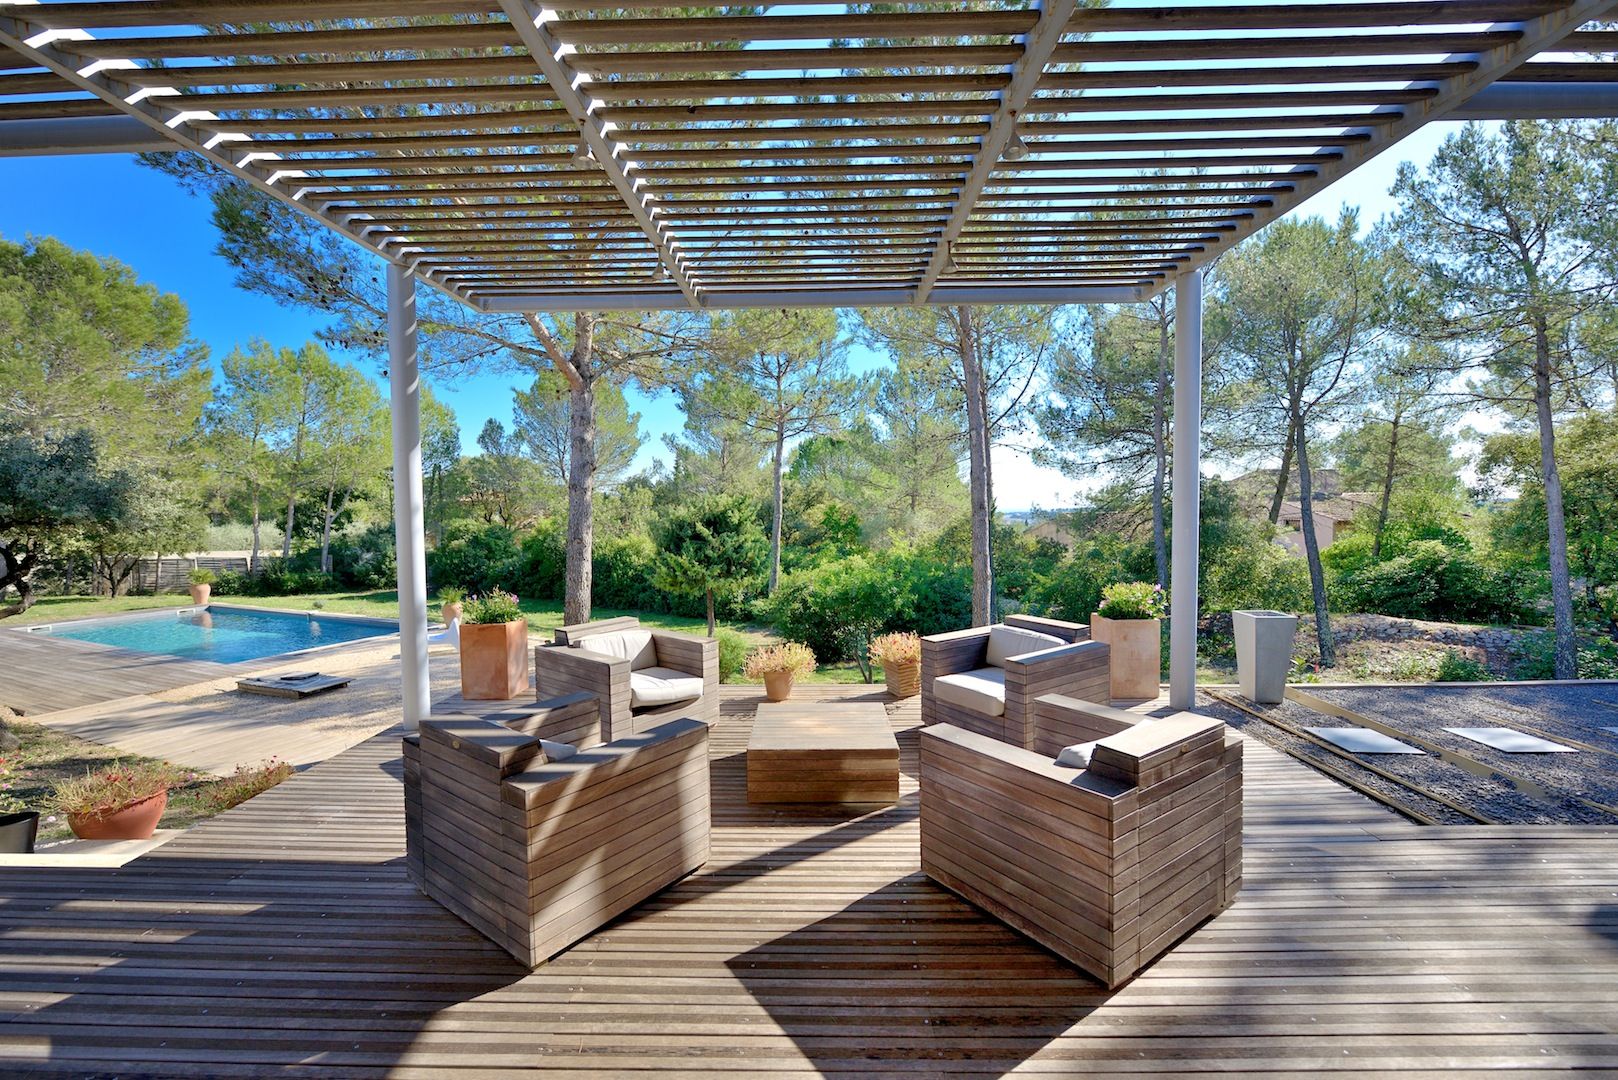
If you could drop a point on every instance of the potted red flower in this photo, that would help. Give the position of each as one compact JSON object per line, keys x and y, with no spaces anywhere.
{"x":120,"y":802}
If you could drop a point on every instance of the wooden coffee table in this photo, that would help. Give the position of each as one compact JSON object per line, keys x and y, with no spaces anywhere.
{"x":822,"y":752}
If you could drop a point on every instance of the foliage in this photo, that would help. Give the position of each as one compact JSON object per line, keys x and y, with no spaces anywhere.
{"x":451,"y":594}
{"x":104,"y":791}
{"x":1432,"y":580}
{"x":10,"y":776}
{"x":1455,"y":666}
{"x":1133,"y":600}
{"x":540,"y":568}
{"x":791,"y":657}
{"x":202,"y":576}
{"x":711,"y":548}
{"x":625,"y":570}
{"x":897,"y":648}
{"x":1255,"y":574}
{"x":540,"y":422}
{"x":491,"y":608}
{"x":243,"y":784}
{"x":474,"y":557}
{"x":732,"y":653}
{"x":1536,"y":659}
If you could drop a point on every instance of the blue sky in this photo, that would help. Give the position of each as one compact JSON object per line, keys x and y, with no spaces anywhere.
{"x":113,"y":206}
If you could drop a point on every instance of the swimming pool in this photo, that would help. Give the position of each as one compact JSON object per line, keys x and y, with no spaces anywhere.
{"x":223,"y":635}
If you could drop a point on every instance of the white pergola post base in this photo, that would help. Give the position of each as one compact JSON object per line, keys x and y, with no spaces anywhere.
{"x":404,"y":399}
{"x":1187,"y":489}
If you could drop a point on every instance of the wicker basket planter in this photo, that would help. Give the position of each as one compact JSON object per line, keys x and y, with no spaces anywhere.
{"x":904,"y":680}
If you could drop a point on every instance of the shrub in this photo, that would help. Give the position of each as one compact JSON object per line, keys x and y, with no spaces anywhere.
{"x":231,"y":583}
{"x":837,"y":608}
{"x":1432,"y":580}
{"x":1073,"y":589}
{"x":1598,"y":659}
{"x":474,"y":557}
{"x":367,"y":559}
{"x":1245,"y":577}
{"x":243,"y":784}
{"x":1455,"y":666}
{"x":202,"y":576}
{"x":540,"y":567}
{"x":732,"y":654}
{"x":899,"y":648}
{"x":793,"y":657}
{"x":115,"y":787}
{"x":491,"y":608}
{"x":1133,"y":600}
{"x":623,"y":569}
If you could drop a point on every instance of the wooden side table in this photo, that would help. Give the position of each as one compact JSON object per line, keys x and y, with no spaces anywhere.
{"x":822,"y":752}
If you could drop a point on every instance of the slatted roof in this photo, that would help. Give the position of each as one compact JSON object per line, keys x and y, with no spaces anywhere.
{"x":621,"y":156}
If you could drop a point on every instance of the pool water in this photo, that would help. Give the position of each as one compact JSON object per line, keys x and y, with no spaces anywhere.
{"x":219,"y":634}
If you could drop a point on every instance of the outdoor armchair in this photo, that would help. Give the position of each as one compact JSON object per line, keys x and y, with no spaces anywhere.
{"x":1107,"y":866}
{"x":986,"y":679}
{"x":640,"y":677}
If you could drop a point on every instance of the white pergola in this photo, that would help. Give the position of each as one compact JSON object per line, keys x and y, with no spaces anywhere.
{"x":598,"y":156}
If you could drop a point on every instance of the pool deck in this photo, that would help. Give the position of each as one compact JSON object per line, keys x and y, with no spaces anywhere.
{"x":284,"y":938}
{"x":41,"y":673}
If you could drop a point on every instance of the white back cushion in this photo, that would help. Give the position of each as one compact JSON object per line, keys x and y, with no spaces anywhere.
{"x":633,"y":645}
{"x":557,"y":751}
{"x":1007,"y":641}
{"x":1077,"y":756}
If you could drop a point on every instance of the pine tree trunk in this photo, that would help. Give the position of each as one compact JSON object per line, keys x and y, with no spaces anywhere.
{"x":1160,"y":449}
{"x":1387,"y":488}
{"x":708,"y":596}
{"x":978,"y":470}
{"x":775,"y":528}
{"x":581,"y":476}
{"x":1567,"y":649}
{"x":286,"y":538}
{"x":252,"y":556}
{"x":1286,"y":474}
{"x":1311,"y":547}
{"x":325,"y":530}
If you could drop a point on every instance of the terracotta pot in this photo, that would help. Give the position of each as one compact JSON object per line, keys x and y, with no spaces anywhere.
{"x":904,"y":680}
{"x":137,"y":821}
{"x":18,"y":831}
{"x":200,"y":594}
{"x":778,"y":685}
{"x":494,"y":661}
{"x":449,"y":612}
{"x":1137,"y":655}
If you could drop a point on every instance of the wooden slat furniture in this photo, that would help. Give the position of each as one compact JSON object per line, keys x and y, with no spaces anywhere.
{"x":1078,"y":671}
{"x":537,"y":854}
{"x":820,"y":752}
{"x":569,"y":666}
{"x":1107,"y":866}
{"x":1061,"y":721}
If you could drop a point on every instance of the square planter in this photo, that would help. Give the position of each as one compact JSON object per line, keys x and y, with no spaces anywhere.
{"x":1137,"y":655}
{"x":1263,"y":653}
{"x":494,"y":661}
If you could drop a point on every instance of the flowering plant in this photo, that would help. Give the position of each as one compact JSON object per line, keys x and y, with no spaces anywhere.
{"x":792,"y":657}
{"x":108,"y":790}
{"x":9,"y":775}
{"x":1133,"y":600}
{"x":493,"y":607}
{"x":896,"y":649}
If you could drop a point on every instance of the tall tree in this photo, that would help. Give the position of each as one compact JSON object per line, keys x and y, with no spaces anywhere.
{"x":253,"y":404}
{"x":783,"y":375}
{"x":993,"y":357}
{"x":542,"y":419}
{"x":353,"y":446}
{"x":507,"y":486}
{"x":1510,"y":235}
{"x":915,"y":461}
{"x":308,"y":372}
{"x":710,"y":548}
{"x":1300,"y":311}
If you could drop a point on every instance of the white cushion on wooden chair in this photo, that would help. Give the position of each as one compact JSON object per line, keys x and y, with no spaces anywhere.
{"x":1077,"y":756}
{"x":636,"y":646}
{"x":982,"y":690}
{"x":662,"y":686}
{"x":1007,"y":641}
{"x":557,"y":751}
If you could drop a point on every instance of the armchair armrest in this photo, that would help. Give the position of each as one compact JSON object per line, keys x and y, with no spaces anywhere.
{"x":687,"y":653}
{"x":1081,"y":670}
{"x":1067,"y":631}
{"x":1061,"y":721}
{"x":576,"y":633}
{"x":561,"y":671}
{"x":958,"y":650}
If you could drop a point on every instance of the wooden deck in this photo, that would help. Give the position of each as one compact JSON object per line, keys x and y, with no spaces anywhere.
{"x":284,"y":936}
{"x":41,"y":673}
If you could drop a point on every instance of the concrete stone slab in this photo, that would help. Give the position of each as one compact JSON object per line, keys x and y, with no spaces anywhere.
{"x":1511,"y":741}
{"x":1358,"y":740}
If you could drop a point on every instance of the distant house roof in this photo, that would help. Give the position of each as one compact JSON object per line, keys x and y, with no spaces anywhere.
{"x":1333,"y":508}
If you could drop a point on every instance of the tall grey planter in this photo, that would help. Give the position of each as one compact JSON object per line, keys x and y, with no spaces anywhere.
{"x":1263,"y":653}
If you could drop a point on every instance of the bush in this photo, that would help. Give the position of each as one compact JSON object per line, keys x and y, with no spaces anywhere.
{"x":837,"y":608}
{"x":1073,"y":589}
{"x":231,"y":583}
{"x":623,"y":568}
{"x":732,"y":654}
{"x":1454,"y":666}
{"x":243,"y":784}
{"x":365,"y":560}
{"x":930,"y":597}
{"x":540,"y":568}
{"x":1432,"y":580}
{"x":474,"y":557}
{"x":1598,"y":659}
{"x":1133,"y":600}
{"x":1256,"y":576}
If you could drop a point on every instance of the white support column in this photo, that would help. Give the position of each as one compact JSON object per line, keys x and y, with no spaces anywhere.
{"x":1187,"y":489}
{"x":404,"y":399}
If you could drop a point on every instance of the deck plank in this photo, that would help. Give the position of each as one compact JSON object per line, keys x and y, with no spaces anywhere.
{"x":41,"y":673}
{"x":283,"y":937}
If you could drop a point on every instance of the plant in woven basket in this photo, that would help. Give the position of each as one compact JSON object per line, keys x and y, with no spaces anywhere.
{"x":791,"y":658}
{"x":896,"y":649}
{"x":491,"y":608}
{"x":1133,"y":600}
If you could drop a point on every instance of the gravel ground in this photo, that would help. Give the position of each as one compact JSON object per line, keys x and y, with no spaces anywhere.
{"x":1556,"y":787}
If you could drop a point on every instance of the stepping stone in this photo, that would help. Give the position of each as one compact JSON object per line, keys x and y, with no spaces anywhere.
{"x":1511,"y":741}
{"x":1358,"y":740}
{"x":294,"y":684}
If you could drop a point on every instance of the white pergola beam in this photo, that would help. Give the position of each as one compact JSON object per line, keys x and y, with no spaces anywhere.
{"x":671,"y":300}
{"x":532,"y":23}
{"x":1038,"y":45}
{"x":161,"y":109}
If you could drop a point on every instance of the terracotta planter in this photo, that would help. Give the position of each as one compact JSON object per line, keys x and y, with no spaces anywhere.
{"x":18,"y":832}
{"x":200,"y":594}
{"x":778,"y":685}
{"x":494,"y":661}
{"x":137,"y":821}
{"x":449,"y":612}
{"x":904,"y":680}
{"x":1137,"y":655}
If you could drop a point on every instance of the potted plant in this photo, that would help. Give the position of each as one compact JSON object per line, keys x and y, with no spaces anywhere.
{"x":900,"y":657}
{"x":201,"y":585}
{"x":778,"y":666}
{"x":1129,"y":621}
{"x":19,"y":826}
{"x":120,"y":802}
{"x":494,"y":648}
{"x":450,"y":607}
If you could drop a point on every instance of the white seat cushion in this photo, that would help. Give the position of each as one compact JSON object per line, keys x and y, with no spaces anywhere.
{"x":662,"y":686}
{"x":1077,"y":756}
{"x":557,"y":751}
{"x":983,"y":690}
{"x":1005,"y":641}
{"x":636,"y":646}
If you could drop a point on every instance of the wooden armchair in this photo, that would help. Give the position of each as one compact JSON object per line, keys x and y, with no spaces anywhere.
{"x":986,"y":679}
{"x":1106,"y":866}
{"x":536,"y":854}
{"x":640,"y":677}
